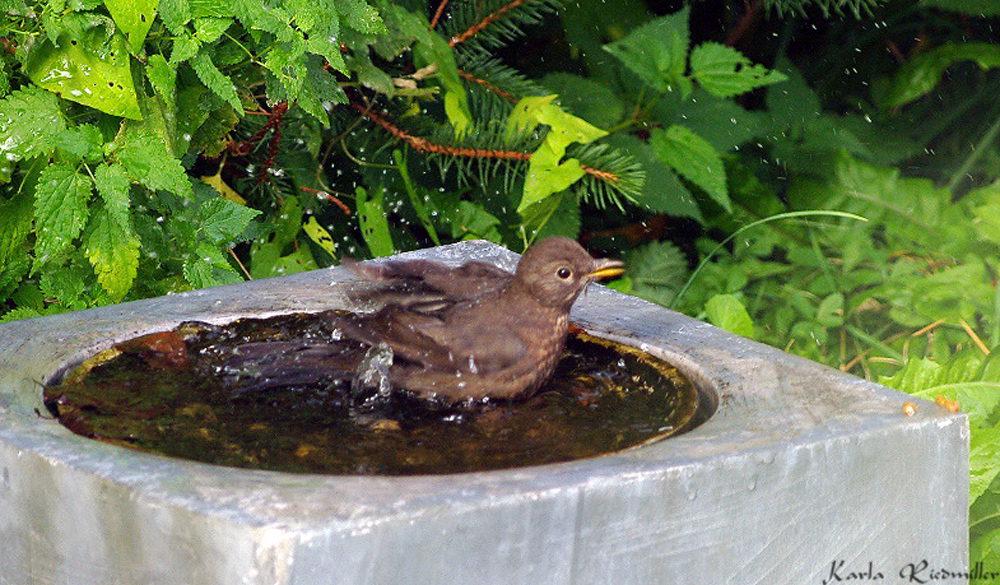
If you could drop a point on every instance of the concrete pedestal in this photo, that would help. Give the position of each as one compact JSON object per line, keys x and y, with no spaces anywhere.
{"x":802,"y":471}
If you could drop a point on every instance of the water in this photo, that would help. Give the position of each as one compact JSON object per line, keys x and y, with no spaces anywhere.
{"x":179,"y":394}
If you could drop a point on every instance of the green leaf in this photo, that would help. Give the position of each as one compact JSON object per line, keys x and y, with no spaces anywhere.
{"x":984,"y":550}
{"x":727,"y":312}
{"x":657,"y":271}
{"x":184,"y":48}
{"x":792,"y":104}
{"x":113,"y":250}
{"x":320,"y":90}
{"x":66,"y":283}
{"x":694,"y":158}
{"x":472,"y":222}
{"x":15,"y":224}
{"x":82,"y":142}
{"x":60,"y":209}
{"x":721,"y":122}
{"x":535,"y":217}
{"x":662,"y":191}
{"x":984,"y":452}
{"x":145,"y":157}
{"x":209,"y":267}
{"x":430,"y":47}
{"x":93,"y":70}
{"x":920,"y":74}
{"x":320,"y":236}
{"x":831,"y":311}
{"x":373,"y":223}
{"x":547,"y":173}
{"x":30,"y":124}
{"x":724,"y":72}
{"x":113,"y":186}
{"x":586,"y":98}
{"x":133,"y":17}
{"x":222,"y":221}
{"x":175,"y":14}
{"x":657,"y":52}
{"x":267,"y":254}
{"x":208,"y":29}
{"x":162,"y":77}
{"x":564,"y":221}
{"x":215,"y":80}
{"x":361,"y":17}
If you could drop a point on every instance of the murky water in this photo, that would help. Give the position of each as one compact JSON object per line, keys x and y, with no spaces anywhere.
{"x":192,"y":393}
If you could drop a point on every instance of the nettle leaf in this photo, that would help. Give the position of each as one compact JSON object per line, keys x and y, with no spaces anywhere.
{"x":657,"y":52}
{"x":662,"y":191}
{"x":215,"y":80}
{"x":134,"y":18}
{"x":15,"y":225}
{"x":60,"y":209}
{"x":586,"y":98}
{"x":145,"y":157}
{"x":361,"y":17}
{"x":113,"y":185}
{"x":208,"y":29}
{"x":724,"y":72}
{"x":222,"y":221}
{"x":163,"y":78}
{"x":547,"y":172}
{"x":320,"y":90}
{"x":727,"y":312}
{"x":185,"y":46}
{"x":208,"y":266}
{"x":30,"y":124}
{"x":83,"y":142}
{"x":920,"y":74}
{"x":113,"y":250}
{"x":93,"y":69}
{"x":657,"y":272}
{"x":175,"y":14}
{"x":287,"y":65}
{"x":471,"y":221}
{"x":694,"y":158}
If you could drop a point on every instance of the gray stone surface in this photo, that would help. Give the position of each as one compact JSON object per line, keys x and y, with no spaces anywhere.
{"x":800,"y":467}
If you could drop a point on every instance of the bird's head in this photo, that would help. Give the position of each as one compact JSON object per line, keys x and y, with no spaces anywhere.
{"x":555,"y":271}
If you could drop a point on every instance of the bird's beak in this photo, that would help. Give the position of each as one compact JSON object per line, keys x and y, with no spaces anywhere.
{"x":606,"y":268}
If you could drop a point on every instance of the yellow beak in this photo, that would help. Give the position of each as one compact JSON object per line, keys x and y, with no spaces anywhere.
{"x":606,"y":268}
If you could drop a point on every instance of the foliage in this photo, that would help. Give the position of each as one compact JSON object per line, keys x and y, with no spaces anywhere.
{"x":809,"y":173}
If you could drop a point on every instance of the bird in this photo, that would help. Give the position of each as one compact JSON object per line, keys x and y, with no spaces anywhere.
{"x":451,"y":334}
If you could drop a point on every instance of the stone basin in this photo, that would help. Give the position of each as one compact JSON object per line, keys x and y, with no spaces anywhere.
{"x":802,"y":471}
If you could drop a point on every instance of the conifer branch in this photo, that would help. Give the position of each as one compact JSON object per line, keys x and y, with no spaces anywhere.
{"x":487,"y":85}
{"x":437,"y":13}
{"x":424,"y":145}
{"x":486,"y":21}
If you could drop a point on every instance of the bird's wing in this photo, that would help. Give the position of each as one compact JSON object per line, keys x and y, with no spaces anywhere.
{"x":414,"y":282}
{"x":437,"y":340}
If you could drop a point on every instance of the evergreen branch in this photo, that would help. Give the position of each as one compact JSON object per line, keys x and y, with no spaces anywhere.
{"x":423,"y":145}
{"x":487,"y":85}
{"x":486,"y":21}
{"x":437,"y":13}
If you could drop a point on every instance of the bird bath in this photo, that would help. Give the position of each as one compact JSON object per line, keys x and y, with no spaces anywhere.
{"x":801,"y":472}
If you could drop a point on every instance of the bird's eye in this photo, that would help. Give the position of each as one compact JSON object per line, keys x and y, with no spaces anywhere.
{"x":564,"y":273}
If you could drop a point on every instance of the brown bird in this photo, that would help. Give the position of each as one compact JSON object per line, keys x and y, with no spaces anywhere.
{"x":468,"y":332}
